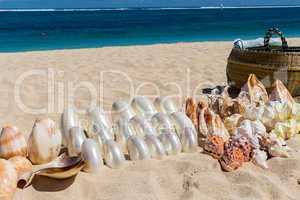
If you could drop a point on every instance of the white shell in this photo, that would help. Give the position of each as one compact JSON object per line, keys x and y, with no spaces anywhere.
{"x":121,"y":110}
{"x":171,"y":142}
{"x":91,"y":155}
{"x":232,"y":122}
{"x":269,"y":117}
{"x":113,"y":155}
{"x":76,"y":138}
{"x":258,"y":128}
{"x":189,"y":140}
{"x":12,"y":143}
{"x":44,"y":142}
{"x":8,"y":180}
{"x":141,"y":126}
{"x":260,"y":158}
{"x":155,"y":146}
{"x":165,"y":105}
{"x":100,"y":123}
{"x":278,"y":151}
{"x":181,"y":121}
{"x":253,"y":112}
{"x":137,"y":149}
{"x":161,"y":122}
{"x":69,"y":120}
{"x":143,"y":106}
{"x":122,"y":133}
{"x":246,"y":130}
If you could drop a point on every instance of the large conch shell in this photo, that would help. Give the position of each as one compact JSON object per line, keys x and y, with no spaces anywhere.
{"x":232,"y":122}
{"x":281,"y":93}
{"x":257,"y":91}
{"x":253,"y":112}
{"x":8,"y":180}
{"x":44,"y":142}
{"x":12,"y":143}
{"x":143,"y":106}
{"x":61,"y":168}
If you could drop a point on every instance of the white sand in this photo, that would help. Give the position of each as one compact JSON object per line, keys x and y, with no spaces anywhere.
{"x":186,"y":176}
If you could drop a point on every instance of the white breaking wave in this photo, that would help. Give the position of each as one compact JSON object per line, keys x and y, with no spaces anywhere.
{"x":124,"y":9}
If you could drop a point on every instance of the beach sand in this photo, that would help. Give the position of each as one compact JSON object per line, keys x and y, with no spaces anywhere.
{"x":112,"y":73}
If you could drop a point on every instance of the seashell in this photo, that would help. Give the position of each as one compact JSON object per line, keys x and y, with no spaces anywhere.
{"x":282,"y":110}
{"x":165,"y":105}
{"x":203,"y":115}
{"x":246,"y":130}
{"x":241,"y":102}
{"x":170,"y":142}
{"x":214,"y":145}
{"x":44,"y":142}
{"x":61,"y":168}
{"x":141,"y":126}
{"x":295,"y":113}
{"x":215,"y":126}
{"x":137,"y":148}
{"x":232,"y":158}
{"x":185,"y":131}
{"x":191,"y":110}
{"x":260,"y":158}
{"x":155,"y":147}
{"x":161,"y":122}
{"x":281,"y":93}
{"x":122,"y":132}
{"x":257,"y":91}
{"x":232,"y":122}
{"x":278,"y":151}
{"x":75,"y":140}
{"x":91,"y":155}
{"x":8,"y":180}
{"x":22,"y":165}
{"x":143,"y":106}
{"x":269,"y":117}
{"x":253,"y":112}
{"x":113,"y":155}
{"x":121,"y":109}
{"x":100,"y":123}
{"x":12,"y":143}
{"x":286,"y":130}
{"x":244,"y":144}
{"x":69,"y":120}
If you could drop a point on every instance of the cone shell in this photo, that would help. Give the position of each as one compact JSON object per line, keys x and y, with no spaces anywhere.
{"x":12,"y":143}
{"x":256,"y":89}
{"x":44,"y":142}
{"x":22,"y":164}
{"x":8,"y":180}
{"x":281,"y":93}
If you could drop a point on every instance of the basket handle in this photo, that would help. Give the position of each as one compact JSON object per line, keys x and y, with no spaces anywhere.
{"x":269,"y":35}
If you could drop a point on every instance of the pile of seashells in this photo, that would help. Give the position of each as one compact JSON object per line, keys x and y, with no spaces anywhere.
{"x":254,"y":126}
{"x":141,"y":130}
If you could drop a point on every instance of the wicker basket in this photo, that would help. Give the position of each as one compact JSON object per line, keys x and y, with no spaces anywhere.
{"x":267,"y":63}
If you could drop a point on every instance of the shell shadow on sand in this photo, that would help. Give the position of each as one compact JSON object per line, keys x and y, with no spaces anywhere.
{"x":46,"y":184}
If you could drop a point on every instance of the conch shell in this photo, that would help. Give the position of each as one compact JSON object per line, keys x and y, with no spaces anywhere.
{"x":286,"y":129}
{"x":191,"y":110}
{"x":246,"y":129}
{"x":12,"y":143}
{"x":214,"y":145}
{"x":233,"y":122}
{"x":232,"y":158}
{"x":257,"y":91}
{"x":253,"y":112}
{"x":8,"y":180}
{"x":281,"y":93}
{"x":44,"y":142}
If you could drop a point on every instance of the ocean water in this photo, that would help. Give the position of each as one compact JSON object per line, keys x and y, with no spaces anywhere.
{"x":29,"y":30}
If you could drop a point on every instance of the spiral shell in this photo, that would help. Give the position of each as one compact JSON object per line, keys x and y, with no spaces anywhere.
{"x":143,"y":106}
{"x":44,"y":142}
{"x":121,"y":110}
{"x":161,"y":122}
{"x":8,"y":180}
{"x":75,"y":140}
{"x":113,"y":155}
{"x":155,"y":146}
{"x":69,"y":120}
{"x":281,"y":93}
{"x":12,"y":143}
{"x":165,"y":105}
{"x":141,"y":126}
{"x":92,"y":156}
{"x":137,"y":148}
{"x":170,"y":142}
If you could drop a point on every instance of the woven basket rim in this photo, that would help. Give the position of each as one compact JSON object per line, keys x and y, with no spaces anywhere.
{"x":268,"y":52}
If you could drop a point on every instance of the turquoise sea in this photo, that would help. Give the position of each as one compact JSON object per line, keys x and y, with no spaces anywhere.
{"x":28,"y":30}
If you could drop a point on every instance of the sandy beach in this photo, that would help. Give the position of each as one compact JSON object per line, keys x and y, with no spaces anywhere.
{"x":35,"y":84}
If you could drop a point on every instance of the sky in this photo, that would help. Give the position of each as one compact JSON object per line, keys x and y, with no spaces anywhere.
{"x":136,"y":3}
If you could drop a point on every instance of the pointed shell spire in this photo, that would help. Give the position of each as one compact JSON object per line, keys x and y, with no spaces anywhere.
{"x":256,"y":90}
